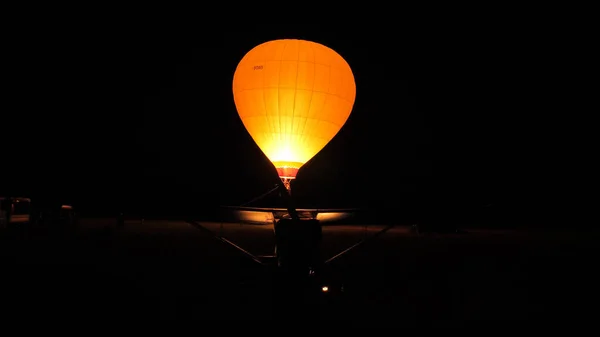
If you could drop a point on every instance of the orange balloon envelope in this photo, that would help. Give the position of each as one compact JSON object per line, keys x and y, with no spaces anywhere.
{"x":293,"y":97}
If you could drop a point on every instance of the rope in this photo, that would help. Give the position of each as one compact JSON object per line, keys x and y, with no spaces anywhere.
{"x":260,"y":196}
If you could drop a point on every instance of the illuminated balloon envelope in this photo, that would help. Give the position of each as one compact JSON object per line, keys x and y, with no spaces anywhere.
{"x":293,"y":97}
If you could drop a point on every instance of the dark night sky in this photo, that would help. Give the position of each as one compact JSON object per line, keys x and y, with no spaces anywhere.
{"x":138,"y":115}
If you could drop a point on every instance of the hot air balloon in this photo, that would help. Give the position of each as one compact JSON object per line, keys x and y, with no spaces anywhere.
{"x":293,"y":97}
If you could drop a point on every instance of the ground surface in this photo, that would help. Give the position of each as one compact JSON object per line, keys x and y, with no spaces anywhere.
{"x":175,"y":269}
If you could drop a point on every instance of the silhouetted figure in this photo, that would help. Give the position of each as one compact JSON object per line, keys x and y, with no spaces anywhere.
{"x":298,"y":248}
{"x":299,"y":265}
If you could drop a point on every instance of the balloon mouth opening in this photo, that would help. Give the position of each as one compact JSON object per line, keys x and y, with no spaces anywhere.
{"x":287,"y":170}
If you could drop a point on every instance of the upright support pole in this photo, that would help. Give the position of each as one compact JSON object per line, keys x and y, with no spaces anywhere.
{"x":285,"y":190}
